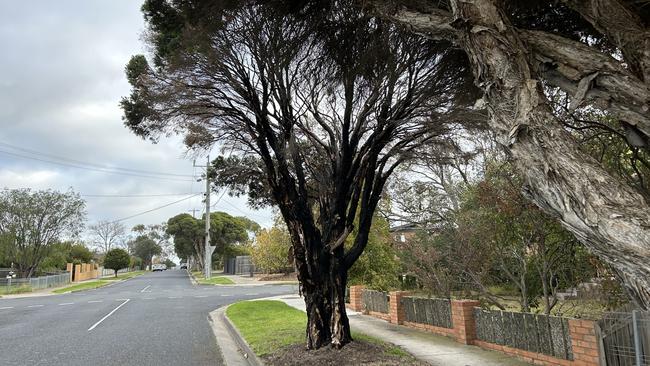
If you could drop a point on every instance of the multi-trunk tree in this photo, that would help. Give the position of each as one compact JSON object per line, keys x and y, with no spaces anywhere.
{"x":323,"y":109}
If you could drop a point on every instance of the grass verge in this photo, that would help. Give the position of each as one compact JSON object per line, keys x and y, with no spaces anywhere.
{"x":269,"y":325}
{"x":82,"y":286}
{"x":124,"y":276}
{"x":215,"y":280}
{"x":12,"y":290}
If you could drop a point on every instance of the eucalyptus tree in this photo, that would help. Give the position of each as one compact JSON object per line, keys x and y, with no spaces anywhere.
{"x":32,"y":221}
{"x":322,"y":109}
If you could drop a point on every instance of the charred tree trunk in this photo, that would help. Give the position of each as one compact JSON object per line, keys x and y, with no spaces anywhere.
{"x":323,"y":278}
{"x":611,"y":218}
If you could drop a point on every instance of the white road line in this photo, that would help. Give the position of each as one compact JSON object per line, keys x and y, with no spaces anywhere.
{"x":94,"y":301}
{"x":145,"y":289}
{"x":107,"y":315}
{"x":202,"y":296}
{"x":6,"y":307}
{"x":174,"y":297}
{"x":226,"y":295}
{"x":66,"y":303}
{"x":149,"y":298}
{"x":35,"y":306}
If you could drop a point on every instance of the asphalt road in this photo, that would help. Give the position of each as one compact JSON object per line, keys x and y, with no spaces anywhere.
{"x":155,"y":319}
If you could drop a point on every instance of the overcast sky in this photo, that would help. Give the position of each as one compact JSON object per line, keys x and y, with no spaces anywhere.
{"x":61,"y":79}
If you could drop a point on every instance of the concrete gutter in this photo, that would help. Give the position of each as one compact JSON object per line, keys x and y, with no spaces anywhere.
{"x":234,"y":349}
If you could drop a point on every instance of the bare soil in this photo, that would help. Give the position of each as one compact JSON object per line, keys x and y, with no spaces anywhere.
{"x":353,"y":354}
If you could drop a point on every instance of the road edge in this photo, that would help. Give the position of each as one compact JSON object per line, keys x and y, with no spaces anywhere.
{"x":235,"y":351}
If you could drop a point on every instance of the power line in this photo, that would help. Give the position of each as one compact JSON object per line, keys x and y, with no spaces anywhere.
{"x":155,"y":209}
{"x":58,"y":157}
{"x":93,"y":169}
{"x":137,"y":195}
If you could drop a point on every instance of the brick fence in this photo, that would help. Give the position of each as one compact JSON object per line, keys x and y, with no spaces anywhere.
{"x":82,"y":272}
{"x":582,"y":334}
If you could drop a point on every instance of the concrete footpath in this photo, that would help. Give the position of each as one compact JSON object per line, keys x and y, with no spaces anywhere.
{"x":431,"y":348}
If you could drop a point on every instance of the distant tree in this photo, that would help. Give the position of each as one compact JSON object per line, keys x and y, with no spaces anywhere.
{"x":145,"y":248}
{"x":31,"y":221}
{"x":228,"y":233}
{"x":80,"y":252}
{"x":271,"y":249}
{"x":157,"y":233}
{"x":135,"y":262}
{"x":117,"y":259}
{"x":187,"y":233}
{"x":107,"y":234}
{"x":169,"y":263}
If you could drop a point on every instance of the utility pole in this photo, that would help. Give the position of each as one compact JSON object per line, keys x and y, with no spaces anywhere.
{"x":193,"y":211}
{"x":209,"y":249}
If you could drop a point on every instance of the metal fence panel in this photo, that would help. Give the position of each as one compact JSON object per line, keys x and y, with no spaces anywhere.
{"x":436,"y":312}
{"x":531,"y":332}
{"x":625,"y":338}
{"x":375,"y":301}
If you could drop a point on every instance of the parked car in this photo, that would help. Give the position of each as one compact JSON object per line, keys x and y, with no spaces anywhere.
{"x":183,"y":265}
{"x":158,"y":267}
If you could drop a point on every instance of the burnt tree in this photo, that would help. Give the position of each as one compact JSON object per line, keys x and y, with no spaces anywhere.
{"x":323,"y":110}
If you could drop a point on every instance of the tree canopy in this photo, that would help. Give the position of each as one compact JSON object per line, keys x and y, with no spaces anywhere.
{"x":117,"y":259}
{"x":32,"y":221}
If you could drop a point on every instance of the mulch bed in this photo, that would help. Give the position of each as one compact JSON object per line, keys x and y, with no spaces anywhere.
{"x":355,"y":353}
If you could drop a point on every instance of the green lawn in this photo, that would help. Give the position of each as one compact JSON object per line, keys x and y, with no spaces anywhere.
{"x":124,"y":276}
{"x":268,"y":325}
{"x":214,"y":280}
{"x":83,"y":286}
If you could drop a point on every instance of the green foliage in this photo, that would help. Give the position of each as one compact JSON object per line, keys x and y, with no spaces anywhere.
{"x":186,"y":231}
{"x":228,"y":233}
{"x":117,"y":259}
{"x":378,"y":267}
{"x":271,"y":249}
{"x":32,"y":221}
{"x":135,"y":262}
{"x":169,"y":263}
{"x":144,"y":247}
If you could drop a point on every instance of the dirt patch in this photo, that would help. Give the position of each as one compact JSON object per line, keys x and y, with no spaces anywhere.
{"x":355,"y":353}
{"x":279,"y":277}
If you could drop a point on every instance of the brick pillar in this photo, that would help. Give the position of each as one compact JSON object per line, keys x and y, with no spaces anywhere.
{"x":462,"y":315}
{"x":397,"y":315}
{"x":77,"y":271}
{"x":356,"y":301}
{"x":584,"y":342}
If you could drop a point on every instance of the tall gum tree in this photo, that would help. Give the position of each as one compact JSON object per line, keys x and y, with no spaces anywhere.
{"x":324,"y":109}
{"x":511,"y":64}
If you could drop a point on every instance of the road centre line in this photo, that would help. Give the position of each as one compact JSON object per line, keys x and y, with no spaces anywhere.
{"x":145,"y":289}
{"x":35,"y":306}
{"x":6,"y":307}
{"x":107,"y":315}
{"x":66,"y":303}
{"x":94,"y":301}
{"x":201,"y":296}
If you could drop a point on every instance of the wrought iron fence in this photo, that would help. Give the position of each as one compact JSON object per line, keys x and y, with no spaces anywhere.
{"x":625,"y":338}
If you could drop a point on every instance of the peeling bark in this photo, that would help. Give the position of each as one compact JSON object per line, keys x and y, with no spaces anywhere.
{"x":563,"y":63}
{"x":609,"y":217}
{"x":612,"y":219}
{"x":622,"y":27}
